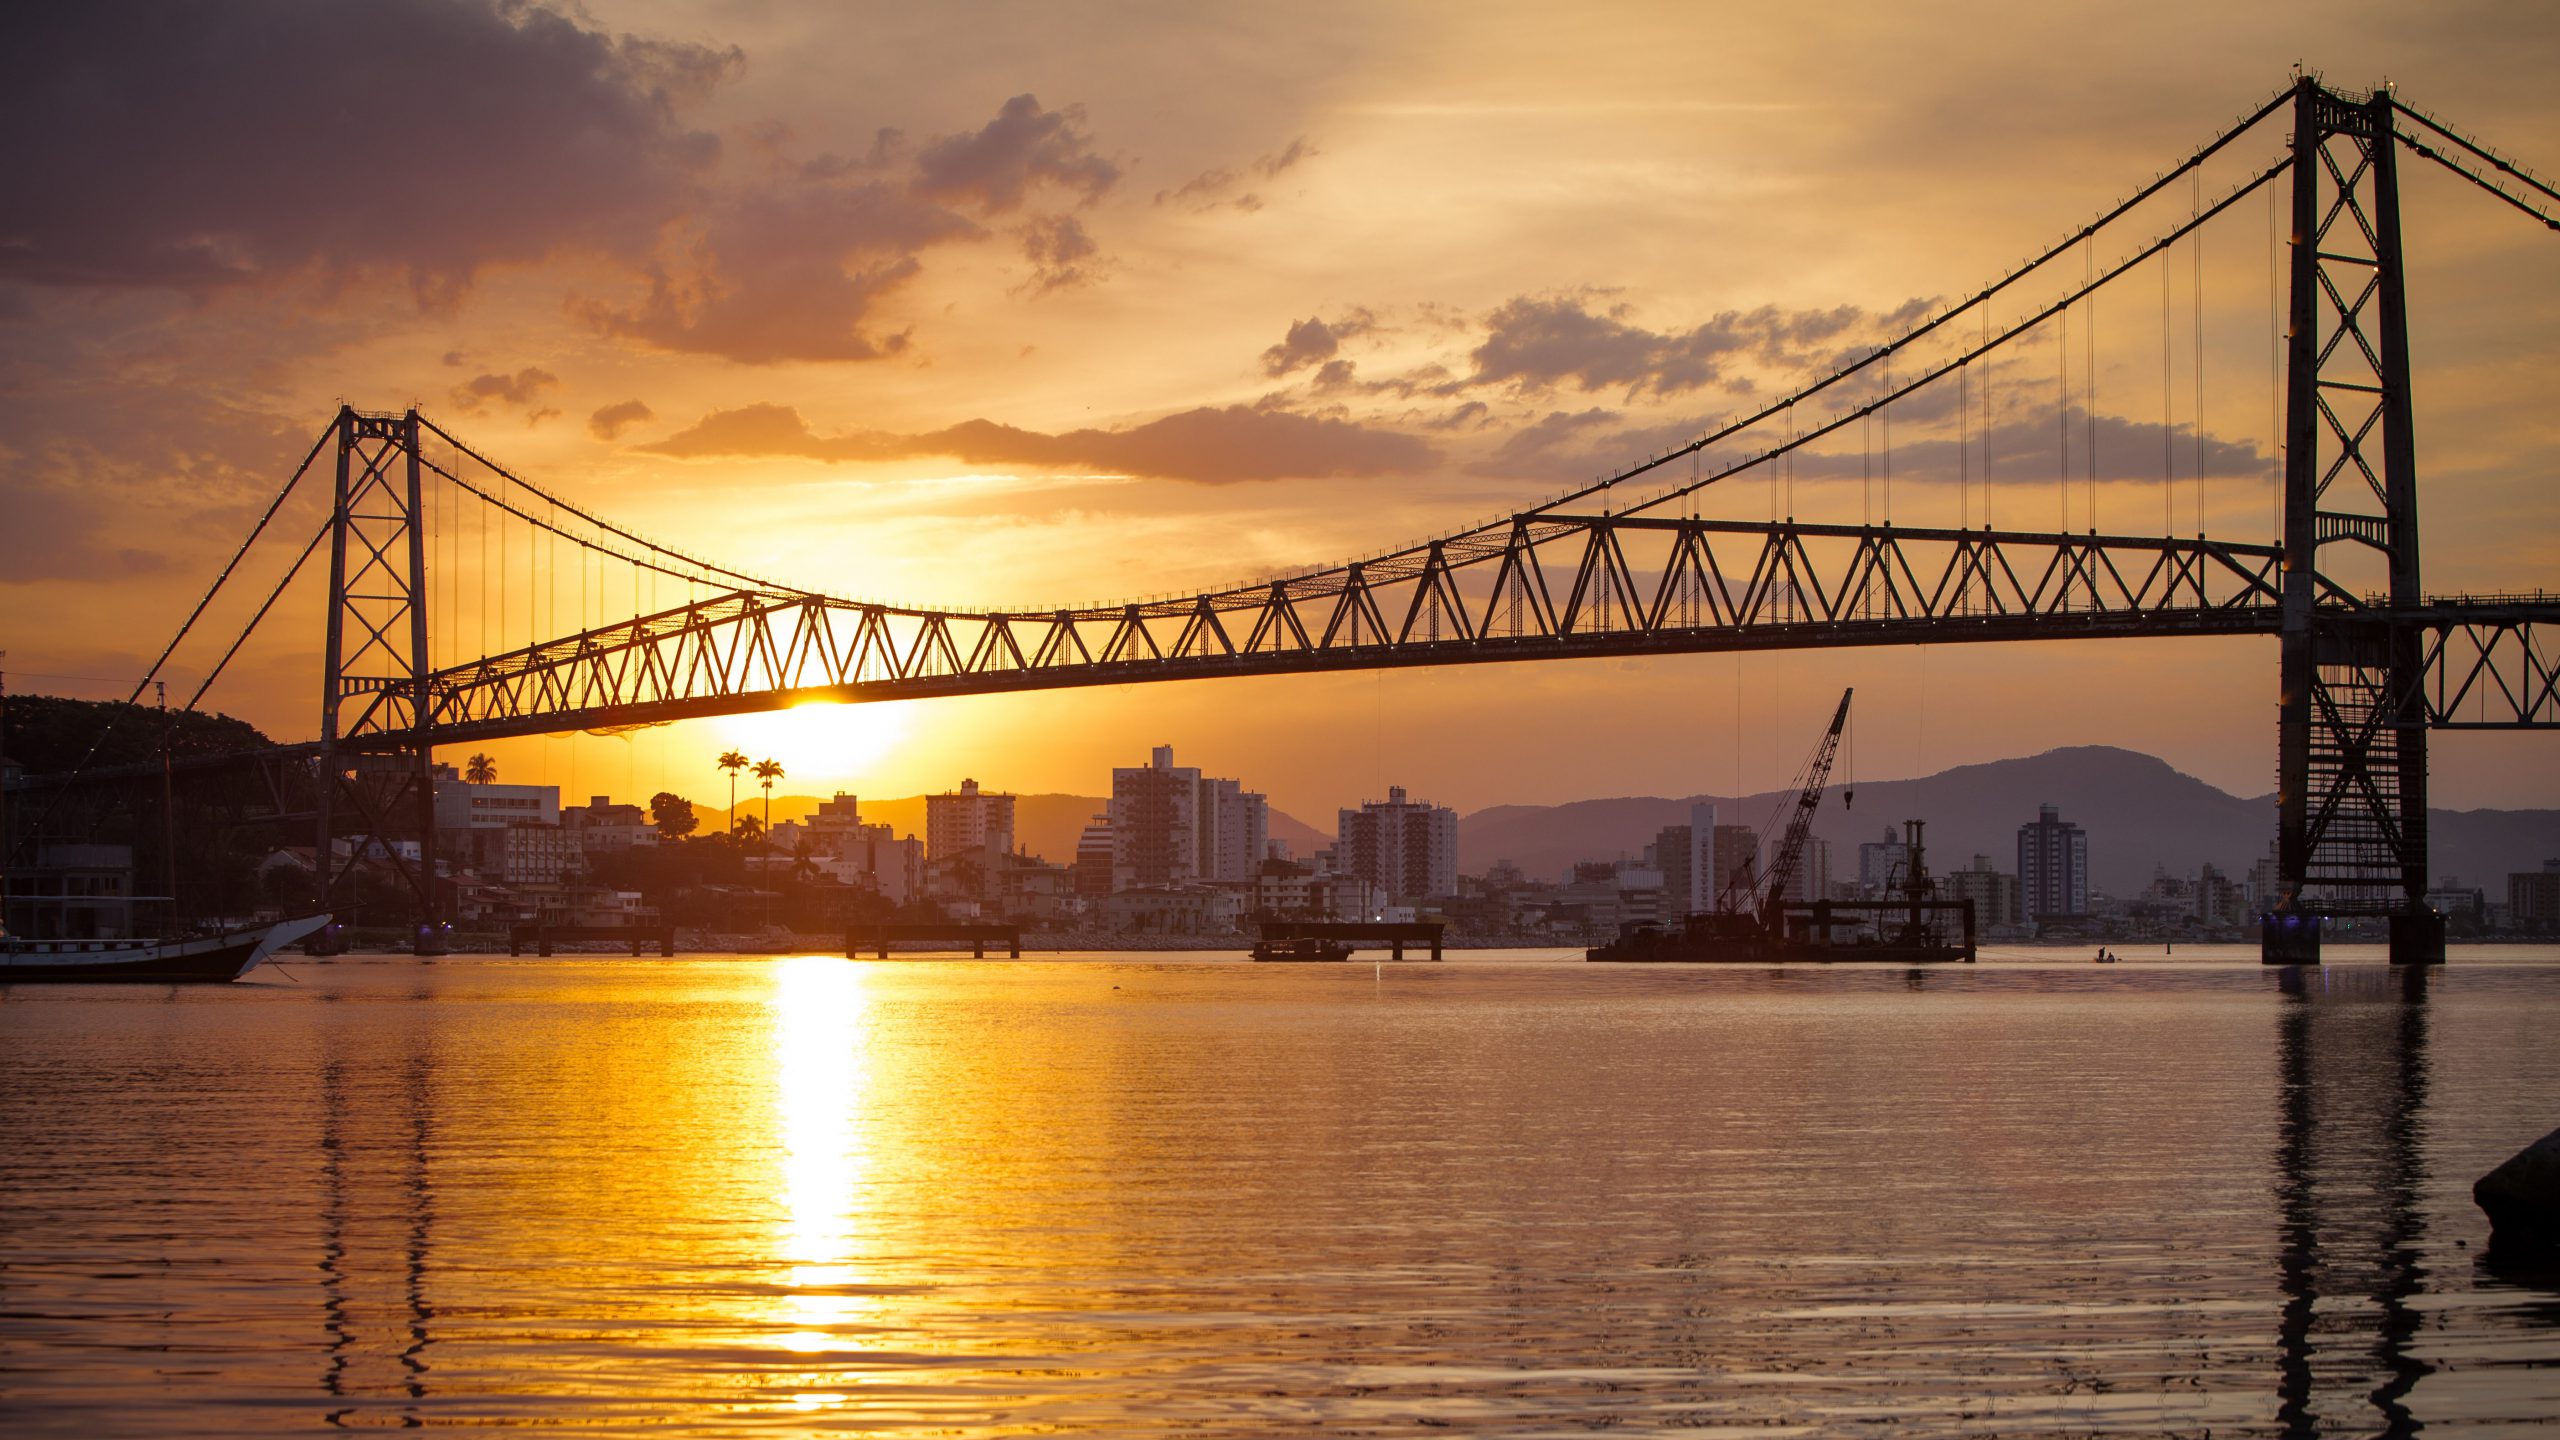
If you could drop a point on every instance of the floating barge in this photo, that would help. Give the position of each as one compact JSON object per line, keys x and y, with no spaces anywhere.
{"x":1931,"y":932}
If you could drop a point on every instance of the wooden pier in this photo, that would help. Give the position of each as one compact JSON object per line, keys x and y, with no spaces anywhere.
{"x":878,"y":938}
{"x":542,"y":937}
{"x":1368,"y":933}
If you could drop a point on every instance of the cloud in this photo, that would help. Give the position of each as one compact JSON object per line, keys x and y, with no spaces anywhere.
{"x":1539,"y":342}
{"x":790,"y":272}
{"x":201,"y":146}
{"x":522,"y":390}
{"x":1057,"y":247}
{"x":1211,"y":446}
{"x":2024,"y":450}
{"x":1313,"y":341}
{"x":1472,"y":413}
{"x":2027,"y":450}
{"x":1019,"y":151}
{"x":60,"y":533}
{"x":609,"y":422}
{"x":798,"y":266}
{"x":1523,"y":449}
{"x":1209,"y":190}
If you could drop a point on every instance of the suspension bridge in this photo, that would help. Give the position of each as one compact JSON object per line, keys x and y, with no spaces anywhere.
{"x":1633,"y":563}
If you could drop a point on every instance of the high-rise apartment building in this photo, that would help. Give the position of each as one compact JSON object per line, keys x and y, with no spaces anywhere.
{"x":1881,"y":863}
{"x":1171,"y":825}
{"x":959,"y":821}
{"x":1679,"y":881}
{"x":2053,"y":866}
{"x":1737,"y":863}
{"x":1155,"y":823}
{"x":1094,"y":858}
{"x":1235,"y":831}
{"x":1702,"y":860}
{"x":1407,"y":849}
{"x":1812,"y":880}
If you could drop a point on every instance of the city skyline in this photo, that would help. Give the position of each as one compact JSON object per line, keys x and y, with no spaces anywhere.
{"x":1050,"y":216}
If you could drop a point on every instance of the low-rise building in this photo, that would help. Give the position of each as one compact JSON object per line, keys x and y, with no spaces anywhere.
{"x":461,"y":805}
{"x":2533,"y":898}
{"x":602,"y":827}
{"x":521,"y":855}
{"x":74,"y":892}
{"x":1994,"y":892}
{"x":1173,"y":910}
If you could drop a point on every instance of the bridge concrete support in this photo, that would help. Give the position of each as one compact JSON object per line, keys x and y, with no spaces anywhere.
{"x":2351,"y":739}
{"x":375,"y":678}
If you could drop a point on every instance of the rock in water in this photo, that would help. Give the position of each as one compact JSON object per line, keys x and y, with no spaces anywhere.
{"x":2523,"y":1199}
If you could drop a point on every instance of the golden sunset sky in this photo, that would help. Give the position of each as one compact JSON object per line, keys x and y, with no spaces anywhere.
{"x":1047,"y":303}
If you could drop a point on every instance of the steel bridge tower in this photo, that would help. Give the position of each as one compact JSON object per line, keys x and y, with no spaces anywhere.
{"x":376,"y":670}
{"x":2352,"y":733}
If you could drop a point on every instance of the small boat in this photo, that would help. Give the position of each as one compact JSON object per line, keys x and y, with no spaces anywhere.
{"x":1301,"y":948}
{"x":225,"y":955}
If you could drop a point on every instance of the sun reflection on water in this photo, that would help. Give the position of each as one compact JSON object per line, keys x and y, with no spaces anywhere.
{"x":822,"y":1077}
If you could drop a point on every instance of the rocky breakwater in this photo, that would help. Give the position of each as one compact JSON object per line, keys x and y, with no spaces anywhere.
{"x":2522,"y":1198}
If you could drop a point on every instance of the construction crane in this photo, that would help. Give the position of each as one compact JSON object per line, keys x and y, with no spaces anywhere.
{"x":1815,"y":775}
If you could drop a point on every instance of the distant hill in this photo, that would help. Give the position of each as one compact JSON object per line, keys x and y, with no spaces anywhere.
{"x":49,"y":734}
{"x":1046,"y":825}
{"x":2140,"y":814}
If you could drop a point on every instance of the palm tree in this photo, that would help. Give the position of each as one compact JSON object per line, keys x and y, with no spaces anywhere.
{"x":481,"y":770}
{"x":768,"y":771}
{"x":733,"y":762}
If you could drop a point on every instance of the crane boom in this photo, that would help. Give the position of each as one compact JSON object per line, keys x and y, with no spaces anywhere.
{"x":1800,"y":825}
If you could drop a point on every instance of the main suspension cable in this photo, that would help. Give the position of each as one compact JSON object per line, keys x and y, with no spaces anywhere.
{"x":702,"y":566}
{"x":224,"y":578}
{"x":2487,"y":156}
{"x":1927,"y":327}
{"x":2099,"y":281}
{"x":216,"y":673}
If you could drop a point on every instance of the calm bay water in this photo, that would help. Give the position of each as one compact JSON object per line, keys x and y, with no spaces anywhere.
{"x":1507,"y":1194}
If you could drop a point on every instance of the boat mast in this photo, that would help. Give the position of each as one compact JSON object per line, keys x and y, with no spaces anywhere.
{"x":4,"y":797}
{"x":168,"y":811}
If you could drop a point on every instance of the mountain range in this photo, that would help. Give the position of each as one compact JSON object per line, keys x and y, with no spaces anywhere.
{"x":2139,"y":812}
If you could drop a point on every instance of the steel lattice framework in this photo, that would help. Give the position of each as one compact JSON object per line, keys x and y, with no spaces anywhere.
{"x":1558,"y":586}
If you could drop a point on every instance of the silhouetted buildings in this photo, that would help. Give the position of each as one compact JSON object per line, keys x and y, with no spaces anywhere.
{"x":461,"y":805}
{"x":1094,"y":852}
{"x":1172,"y":826}
{"x":73,"y":892}
{"x":2053,"y":867}
{"x":1407,"y":849}
{"x":959,"y":821}
{"x":1671,"y":855}
{"x":1993,"y":892}
{"x":600,"y":826}
{"x":2533,"y":898}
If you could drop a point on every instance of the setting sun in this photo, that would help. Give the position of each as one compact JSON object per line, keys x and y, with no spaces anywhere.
{"x":820,"y":744}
